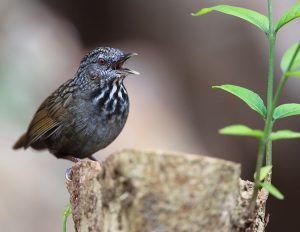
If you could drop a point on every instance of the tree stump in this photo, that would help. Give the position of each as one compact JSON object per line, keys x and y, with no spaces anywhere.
{"x":155,"y":191}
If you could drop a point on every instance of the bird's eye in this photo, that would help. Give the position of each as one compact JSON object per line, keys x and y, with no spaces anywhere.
{"x":93,"y":77}
{"x":101,"y":61}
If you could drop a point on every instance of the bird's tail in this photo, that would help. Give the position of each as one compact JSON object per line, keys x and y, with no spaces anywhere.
{"x":21,"y":142}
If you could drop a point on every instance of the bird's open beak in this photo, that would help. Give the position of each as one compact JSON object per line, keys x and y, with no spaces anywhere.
{"x":119,"y":64}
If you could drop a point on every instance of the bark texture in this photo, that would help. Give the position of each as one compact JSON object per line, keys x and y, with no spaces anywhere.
{"x":154,"y":191}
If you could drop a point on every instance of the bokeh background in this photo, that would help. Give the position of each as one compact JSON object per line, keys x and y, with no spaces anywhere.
{"x":172,"y":104}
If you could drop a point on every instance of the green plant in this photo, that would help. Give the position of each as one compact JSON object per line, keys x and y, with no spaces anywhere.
{"x":67,"y":213}
{"x":290,"y":66}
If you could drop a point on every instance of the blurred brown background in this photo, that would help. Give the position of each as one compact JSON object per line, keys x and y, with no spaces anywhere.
{"x":172,"y":104}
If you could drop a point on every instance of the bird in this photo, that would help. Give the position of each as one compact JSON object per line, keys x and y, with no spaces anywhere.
{"x":87,"y":112}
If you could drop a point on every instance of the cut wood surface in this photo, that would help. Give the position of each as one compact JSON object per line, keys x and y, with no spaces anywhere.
{"x":155,"y":191}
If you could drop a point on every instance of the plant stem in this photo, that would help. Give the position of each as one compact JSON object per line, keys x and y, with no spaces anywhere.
{"x":271,"y":40}
{"x":270,"y":108}
{"x":265,"y":144}
{"x":65,"y":224}
{"x":269,"y":151}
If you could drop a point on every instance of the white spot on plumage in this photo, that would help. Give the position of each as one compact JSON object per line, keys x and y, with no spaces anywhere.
{"x":120,"y":95}
{"x":121,"y":92}
{"x":100,"y":96}
{"x":113,"y":90}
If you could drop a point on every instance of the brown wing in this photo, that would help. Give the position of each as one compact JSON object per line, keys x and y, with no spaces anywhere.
{"x":46,"y":121}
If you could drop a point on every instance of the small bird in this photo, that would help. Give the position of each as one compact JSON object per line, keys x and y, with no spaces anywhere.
{"x":86,"y":113}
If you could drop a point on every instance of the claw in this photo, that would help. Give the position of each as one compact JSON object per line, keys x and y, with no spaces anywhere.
{"x":68,"y":174}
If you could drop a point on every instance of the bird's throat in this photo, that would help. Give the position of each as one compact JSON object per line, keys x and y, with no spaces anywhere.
{"x":112,"y":98}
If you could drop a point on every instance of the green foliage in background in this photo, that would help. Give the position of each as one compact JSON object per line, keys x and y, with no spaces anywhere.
{"x":290,"y":66}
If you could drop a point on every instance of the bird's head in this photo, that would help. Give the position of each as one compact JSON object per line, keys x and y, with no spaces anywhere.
{"x":107,"y":58}
{"x":102,"y":66}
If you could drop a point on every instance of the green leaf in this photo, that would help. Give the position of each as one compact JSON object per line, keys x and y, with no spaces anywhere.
{"x":67,"y":213}
{"x":284,"y":134}
{"x":250,"y":98}
{"x":251,"y":16}
{"x":291,"y":14}
{"x":264,"y":171}
{"x":293,"y":73}
{"x":272,"y":190}
{"x":286,"y":110}
{"x":241,"y":130}
{"x":291,"y":58}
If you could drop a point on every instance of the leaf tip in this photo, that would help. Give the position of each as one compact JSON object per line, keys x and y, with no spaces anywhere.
{"x":221,"y":131}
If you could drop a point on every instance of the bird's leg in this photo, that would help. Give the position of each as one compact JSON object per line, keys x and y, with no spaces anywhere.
{"x":93,"y":158}
{"x":71,"y":158}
